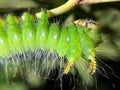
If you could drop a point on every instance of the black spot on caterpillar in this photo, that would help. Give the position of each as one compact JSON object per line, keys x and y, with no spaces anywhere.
{"x":26,"y":43}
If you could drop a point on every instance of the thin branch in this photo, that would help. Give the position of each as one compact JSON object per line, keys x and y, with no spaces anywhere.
{"x":70,"y":4}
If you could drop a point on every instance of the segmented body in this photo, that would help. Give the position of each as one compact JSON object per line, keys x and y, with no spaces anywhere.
{"x":72,"y":41}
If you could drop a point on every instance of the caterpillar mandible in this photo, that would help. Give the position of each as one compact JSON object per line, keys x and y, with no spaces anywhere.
{"x":72,"y":41}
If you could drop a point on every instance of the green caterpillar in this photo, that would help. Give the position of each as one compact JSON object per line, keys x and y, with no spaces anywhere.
{"x":72,"y":41}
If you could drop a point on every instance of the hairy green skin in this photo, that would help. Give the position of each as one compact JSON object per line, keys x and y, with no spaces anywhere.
{"x":74,"y":51}
{"x":53,"y":37}
{"x":72,"y":41}
{"x":42,"y":32}
{"x":15,"y":41}
{"x":4,"y":49}
{"x":87,"y":46}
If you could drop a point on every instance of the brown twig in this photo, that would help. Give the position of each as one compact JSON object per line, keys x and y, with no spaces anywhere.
{"x":84,"y":2}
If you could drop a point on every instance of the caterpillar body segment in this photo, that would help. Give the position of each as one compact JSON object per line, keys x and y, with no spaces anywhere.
{"x":14,"y":34}
{"x":87,"y":46}
{"x":74,"y":51}
{"x":64,"y":42}
{"x":53,"y":37}
{"x":92,"y":30}
{"x":94,"y":36}
{"x":28,"y":33}
{"x":42,"y":32}
{"x":88,"y":49}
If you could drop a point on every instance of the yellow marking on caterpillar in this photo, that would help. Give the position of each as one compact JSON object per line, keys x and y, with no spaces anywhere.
{"x":92,"y":67}
{"x":67,"y":69}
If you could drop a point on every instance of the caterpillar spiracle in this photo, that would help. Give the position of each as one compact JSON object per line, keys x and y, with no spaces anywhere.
{"x":74,"y":41}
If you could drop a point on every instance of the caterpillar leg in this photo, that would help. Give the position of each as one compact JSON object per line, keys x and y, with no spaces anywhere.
{"x":92,"y":67}
{"x":67,"y":69}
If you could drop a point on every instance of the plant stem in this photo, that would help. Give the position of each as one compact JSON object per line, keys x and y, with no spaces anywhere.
{"x":70,"y":4}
